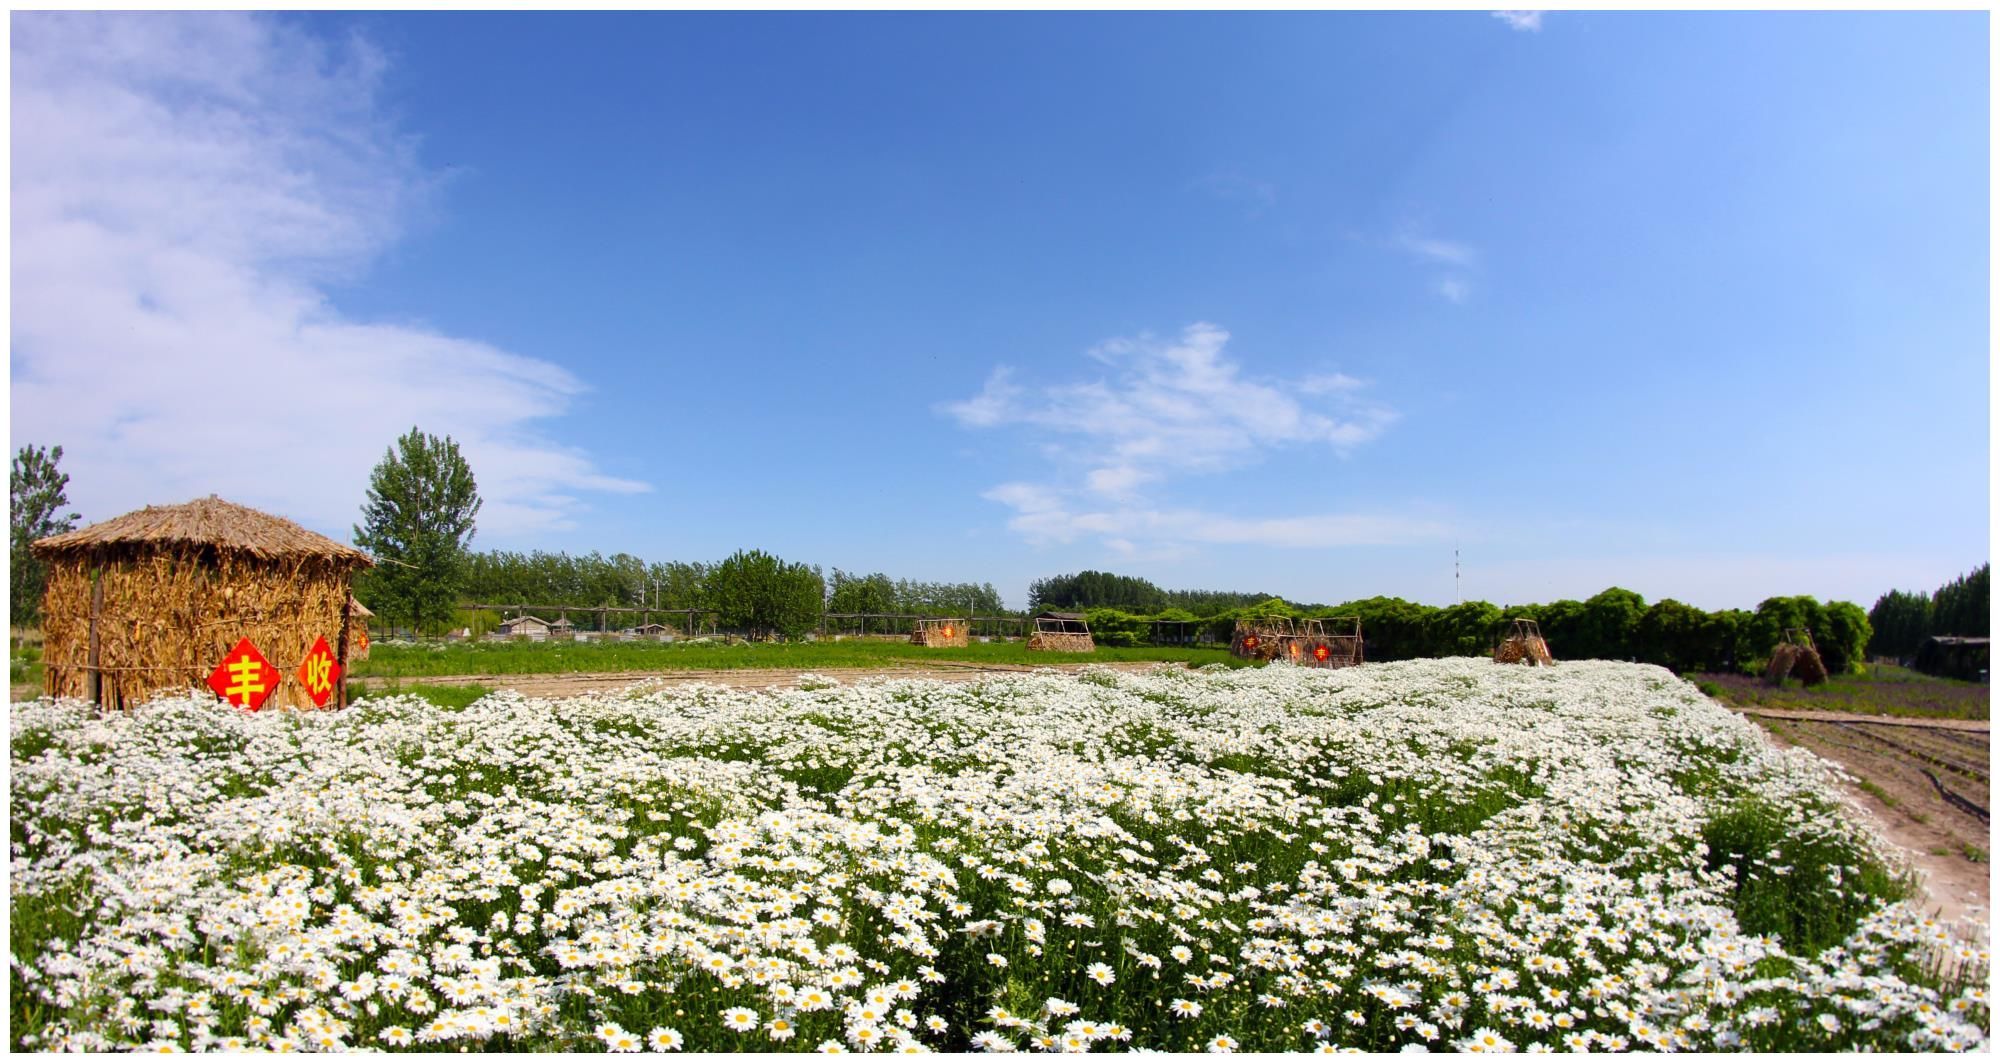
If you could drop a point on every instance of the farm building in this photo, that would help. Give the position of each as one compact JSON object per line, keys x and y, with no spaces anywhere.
{"x":527,"y":627}
{"x":652,"y":631}
{"x":357,"y":630}
{"x":1954,"y":656}
{"x":1062,"y":633}
{"x":157,"y":598}
{"x":946,"y":632}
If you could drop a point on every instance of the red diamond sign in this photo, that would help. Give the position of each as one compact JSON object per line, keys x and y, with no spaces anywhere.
{"x":244,"y":678}
{"x":320,"y":672}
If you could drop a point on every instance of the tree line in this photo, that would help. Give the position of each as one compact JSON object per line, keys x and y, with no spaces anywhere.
{"x":1104,"y":590}
{"x":1616,"y":624}
{"x":1902,"y":620}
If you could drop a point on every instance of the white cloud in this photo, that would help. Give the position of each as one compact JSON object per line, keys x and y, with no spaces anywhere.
{"x":1176,"y":406}
{"x":1051,"y":520}
{"x":1454,"y":289}
{"x":184,"y":188}
{"x":1525,"y":21}
{"x":1166,"y":409}
{"x":1448,"y":252}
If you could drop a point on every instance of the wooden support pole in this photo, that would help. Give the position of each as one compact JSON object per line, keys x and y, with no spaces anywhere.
{"x":93,"y":684}
{"x":340,"y":687}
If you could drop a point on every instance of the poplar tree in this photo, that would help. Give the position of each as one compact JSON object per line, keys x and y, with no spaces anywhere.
{"x":417,"y":522}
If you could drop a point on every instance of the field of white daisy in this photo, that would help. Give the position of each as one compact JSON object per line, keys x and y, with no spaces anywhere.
{"x":1450,"y":854}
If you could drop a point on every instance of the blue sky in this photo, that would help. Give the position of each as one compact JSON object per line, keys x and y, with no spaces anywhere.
{"x":1692,"y":304}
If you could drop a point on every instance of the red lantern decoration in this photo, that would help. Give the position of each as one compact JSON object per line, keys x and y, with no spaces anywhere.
{"x":1321,"y":652}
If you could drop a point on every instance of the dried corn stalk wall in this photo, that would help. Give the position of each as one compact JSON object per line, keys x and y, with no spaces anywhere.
{"x":1531,"y":649}
{"x":1062,"y":642}
{"x":934,"y":635}
{"x":168,"y":617}
{"x":1802,"y":662}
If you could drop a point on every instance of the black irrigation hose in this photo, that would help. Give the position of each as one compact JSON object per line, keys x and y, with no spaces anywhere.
{"x":1955,"y":800}
{"x":1975,"y":773}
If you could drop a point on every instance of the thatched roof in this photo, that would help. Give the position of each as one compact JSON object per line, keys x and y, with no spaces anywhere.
{"x":355,"y":608}
{"x":205,"y":522}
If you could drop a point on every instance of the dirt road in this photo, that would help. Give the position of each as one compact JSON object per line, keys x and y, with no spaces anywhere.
{"x":1900,"y":767}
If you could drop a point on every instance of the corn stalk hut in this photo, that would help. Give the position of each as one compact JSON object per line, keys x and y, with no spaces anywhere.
{"x":1524,"y":644}
{"x":155,"y":599}
{"x":357,"y":629}
{"x":1263,"y":638}
{"x":946,"y":632}
{"x":1062,"y":633}
{"x":1334,"y":643}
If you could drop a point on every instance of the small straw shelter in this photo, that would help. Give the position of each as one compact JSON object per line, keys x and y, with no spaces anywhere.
{"x":946,"y":632}
{"x":357,"y":629}
{"x":1334,"y":643}
{"x":1523,"y":645}
{"x":1062,"y":633}
{"x":156,"y":599}
{"x":1796,"y":655}
{"x":1263,"y":638}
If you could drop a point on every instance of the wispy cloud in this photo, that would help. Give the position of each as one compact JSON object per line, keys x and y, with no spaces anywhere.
{"x":1524,"y":21}
{"x":1430,"y":249}
{"x":184,"y":189}
{"x":1178,"y":405}
{"x":1165,"y":409}
{"x":1460,"y":259}
{"x":1042,"y":516}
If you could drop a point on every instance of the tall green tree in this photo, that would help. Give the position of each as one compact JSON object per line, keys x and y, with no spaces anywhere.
{"x":37,"y":492}
{"x":417,"y":521}
{"x":756,"y":592}
{"x":1901,"y":621}
{"x":1842,"y":638}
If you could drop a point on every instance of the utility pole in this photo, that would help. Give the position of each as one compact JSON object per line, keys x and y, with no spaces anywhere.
{"x":1456,"y":597}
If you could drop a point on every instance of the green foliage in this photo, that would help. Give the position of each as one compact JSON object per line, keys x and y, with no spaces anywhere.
{"x":1463,"y":630}
{"x":1963,"y":606}
{"x":37,"y":492}
{"x":1092,"y":590}
{"x":1110,"y":627}
{"x":1774,"y":615}
{"x":1673,"y":635}
{"x":756,"y":592}
{"x":417,"y":522}
{"x":1795,"y":885}
{"x":1843,"y":639}
{"x":1901,"y":621}
{"x":1608,"y":625}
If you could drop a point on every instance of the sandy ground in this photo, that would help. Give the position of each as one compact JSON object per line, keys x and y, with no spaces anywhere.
{"x":1904,"y":805}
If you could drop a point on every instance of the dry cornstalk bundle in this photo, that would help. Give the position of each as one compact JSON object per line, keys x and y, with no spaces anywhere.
{"x":1332,"y":643}
{"x":1783,"y":656}
{"x":1062,"y":633}
{"x":939,"y":633}
{"x":155,"y":599}
{"x":1265,"y":638}
{"x":1524,"y":645}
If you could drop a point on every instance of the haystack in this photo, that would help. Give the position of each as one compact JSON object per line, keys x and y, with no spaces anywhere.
{"x":1062,"y":633}
{"x":948,"y":632}
{"x":1796,"y":655}
{"x":1332,"y":643}
{"x":156,"y":598}
{"x":1523,"y":645}
{"x":1264,"y":638}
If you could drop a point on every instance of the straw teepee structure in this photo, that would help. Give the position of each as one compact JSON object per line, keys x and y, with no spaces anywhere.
{"x":944,"y":632}
{"x":156,"y":598}
{"x":357,"y":629}
{"x":1524,"y":644}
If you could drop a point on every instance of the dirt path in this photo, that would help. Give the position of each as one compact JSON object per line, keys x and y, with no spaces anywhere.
{"x":570,"y":683}
{"x":1927,"y":723}
{"x":1949,"y":846}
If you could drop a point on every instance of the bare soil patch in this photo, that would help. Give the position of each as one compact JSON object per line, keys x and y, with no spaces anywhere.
{"x":1949,"y":845}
